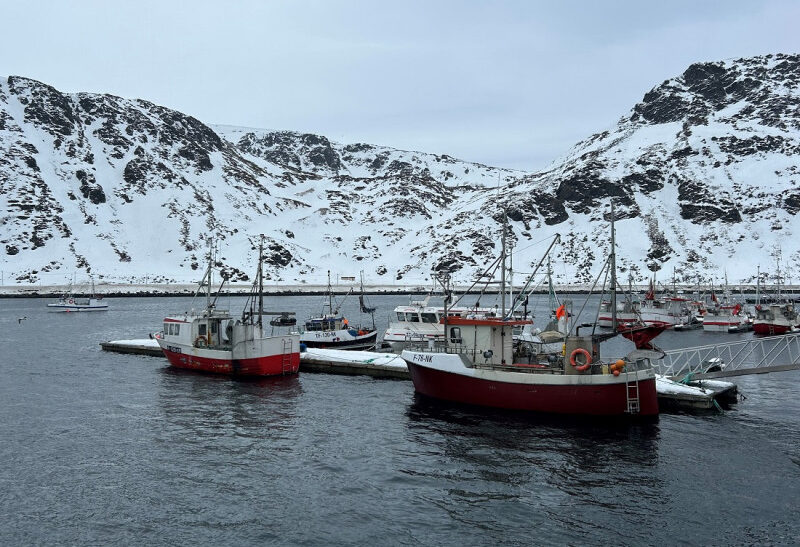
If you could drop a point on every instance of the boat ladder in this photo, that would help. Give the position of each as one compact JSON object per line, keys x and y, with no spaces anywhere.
{"x":286,"y":357}
{"x":632,"y":394}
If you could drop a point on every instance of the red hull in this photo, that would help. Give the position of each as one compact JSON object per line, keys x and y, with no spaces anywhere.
{"x":598,"y":399}
{"x":770,"y":329}
{"x":272,"y":365}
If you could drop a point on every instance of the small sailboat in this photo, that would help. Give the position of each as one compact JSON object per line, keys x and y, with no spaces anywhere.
{"x":69,"y":302}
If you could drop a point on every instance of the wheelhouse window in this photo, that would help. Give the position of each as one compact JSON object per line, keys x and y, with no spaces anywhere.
{"x":201,"y":329}
{"x":325,"y":325}
{"x":429,"y":318}
{"x":455,"y":335}
{"x":401,"y":316}
{"x":411,"y":317}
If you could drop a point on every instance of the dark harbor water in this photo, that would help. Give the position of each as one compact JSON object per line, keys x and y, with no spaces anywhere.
{"x":102,"y":448}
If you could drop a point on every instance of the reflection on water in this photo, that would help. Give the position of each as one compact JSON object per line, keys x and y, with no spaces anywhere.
{"x":206,"y":405}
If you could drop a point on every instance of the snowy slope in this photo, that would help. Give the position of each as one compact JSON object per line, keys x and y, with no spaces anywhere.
{"x":703,"y":172}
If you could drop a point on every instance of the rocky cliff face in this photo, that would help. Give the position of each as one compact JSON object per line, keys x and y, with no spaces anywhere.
{"x":705,"y":166}
{"x":703,"y":173}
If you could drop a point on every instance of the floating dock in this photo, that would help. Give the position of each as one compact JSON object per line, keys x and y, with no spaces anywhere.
{"x":145,"y":346}
{"x":697,"y":394}
{"x":330,"y":361}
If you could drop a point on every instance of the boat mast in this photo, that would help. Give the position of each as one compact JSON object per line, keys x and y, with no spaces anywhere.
{"x":503,"y":267}
{"x":613,"y":266}
{"x":260,"y":282}
{"x":210,"y":269}
{"x":510,"y":276}
{"x":330,"y":296}
{"x":674,"y":286}
{"x":758,"y":285}
{"x":444,"y":280}
{"x":551,"y":293}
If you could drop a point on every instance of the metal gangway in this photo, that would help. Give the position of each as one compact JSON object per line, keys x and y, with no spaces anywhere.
{"x":754,"y":356}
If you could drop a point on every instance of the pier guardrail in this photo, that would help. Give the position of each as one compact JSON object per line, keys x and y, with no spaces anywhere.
{"x":755,"y":356}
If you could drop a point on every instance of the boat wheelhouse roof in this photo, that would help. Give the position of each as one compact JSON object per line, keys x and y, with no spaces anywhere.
{"x":202,"y":314}
{"x":486,"y":321}
{"x":326,"y":319}
{"x":440,"y":309}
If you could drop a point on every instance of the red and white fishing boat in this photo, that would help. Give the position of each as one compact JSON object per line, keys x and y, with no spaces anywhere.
{"x":672,"y":310}
{"x":477,"y":365}
{"x":778,"y":316}
{"x":772,"y":319}
{"x":726,"y":318}
{"x":212,"y":340}
{"x":627,"y":310}
{"x":652,"y":310}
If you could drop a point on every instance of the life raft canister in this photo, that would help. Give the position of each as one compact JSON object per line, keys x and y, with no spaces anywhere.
{"x":574,"y":361}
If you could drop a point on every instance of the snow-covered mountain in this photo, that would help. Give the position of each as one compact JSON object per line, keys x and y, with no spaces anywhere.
{"x":703,"y":172}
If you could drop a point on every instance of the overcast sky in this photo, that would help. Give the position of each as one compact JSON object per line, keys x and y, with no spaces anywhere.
{"x":506,"y":83}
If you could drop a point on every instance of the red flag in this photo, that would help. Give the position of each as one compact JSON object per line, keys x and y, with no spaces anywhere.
{"x":714,"y":297}
{"x":561,"y":311}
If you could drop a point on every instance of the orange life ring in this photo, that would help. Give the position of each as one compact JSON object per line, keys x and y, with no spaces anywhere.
{"x":71,"y":301}
{"x":200,"y":342}
{"x":573,"y":361}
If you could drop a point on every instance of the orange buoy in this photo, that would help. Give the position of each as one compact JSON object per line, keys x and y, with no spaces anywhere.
{"x":616,"y":372}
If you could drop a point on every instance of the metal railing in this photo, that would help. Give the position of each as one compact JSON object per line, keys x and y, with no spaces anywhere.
{"x":755,"y":356}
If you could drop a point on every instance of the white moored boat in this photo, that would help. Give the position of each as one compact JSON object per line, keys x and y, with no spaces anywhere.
{"x":71,"y":303}
{"x":332,"y":330}
{"x":421,"y":322}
